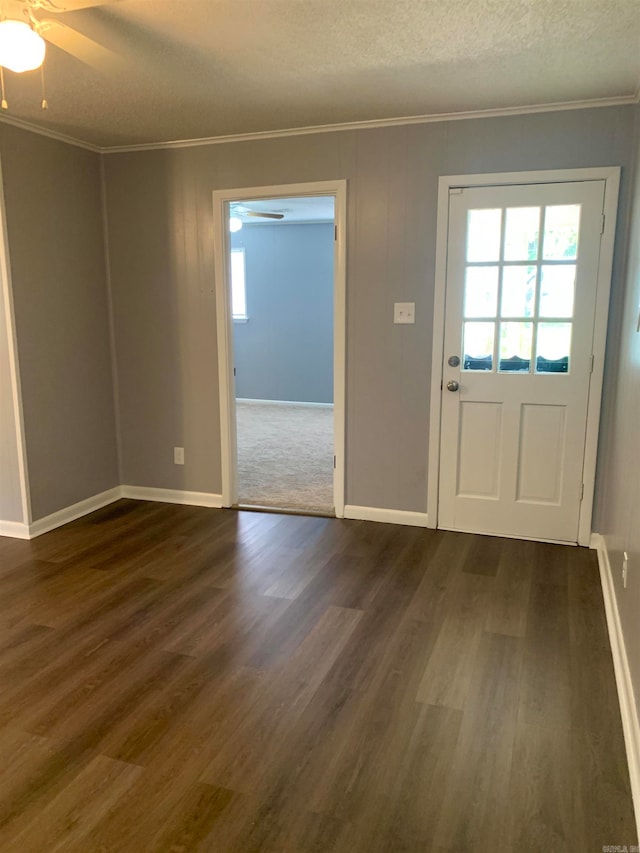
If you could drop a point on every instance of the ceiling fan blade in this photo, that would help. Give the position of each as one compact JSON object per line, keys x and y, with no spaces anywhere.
{"x":263,"y":215}
{"x":60,"y":6}
{"x":82,"y":47}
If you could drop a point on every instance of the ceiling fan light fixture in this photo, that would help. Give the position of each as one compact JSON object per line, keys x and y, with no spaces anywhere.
{"x":235,"y":224}
{"x":21,"y":48}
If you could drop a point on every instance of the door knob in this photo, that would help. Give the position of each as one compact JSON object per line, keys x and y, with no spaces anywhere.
{"x":452,"y":385}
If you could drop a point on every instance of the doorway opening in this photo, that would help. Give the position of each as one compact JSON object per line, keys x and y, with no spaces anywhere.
{"x":280,"y":295}
{"x":282,"y":312}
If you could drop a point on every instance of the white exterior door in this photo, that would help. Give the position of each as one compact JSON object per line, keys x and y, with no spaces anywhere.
{"x":522,"y":267}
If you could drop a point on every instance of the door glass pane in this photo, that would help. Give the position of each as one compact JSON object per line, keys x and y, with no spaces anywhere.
{"x":557,"y":289}
{"x":515,"y":347}
{"x":481,"y":292}
{"x":521,"y":234}
{"x":478,"y":346}
{"x":518,"y":291}
{"x":483,"y":235}
{"x":554,"y":347}
{"x":561,"y":228}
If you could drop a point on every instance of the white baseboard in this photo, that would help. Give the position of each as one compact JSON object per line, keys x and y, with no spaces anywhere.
{"x":14,"y":529}
{"x":171,"y":496}
{"x":628,"y":707}
{"x":388,"y":516}
{"x":285,"y":403}
{"x":71,"y":513}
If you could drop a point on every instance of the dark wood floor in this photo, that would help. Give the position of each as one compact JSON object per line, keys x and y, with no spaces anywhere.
{"x":178,"y":679}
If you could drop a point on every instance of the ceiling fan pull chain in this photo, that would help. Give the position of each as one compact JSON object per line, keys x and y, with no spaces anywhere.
{"x":45,"y":103}
{"x":4,"y":104}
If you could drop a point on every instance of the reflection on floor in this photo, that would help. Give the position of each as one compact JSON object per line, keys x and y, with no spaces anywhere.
{"x":285,"y":455}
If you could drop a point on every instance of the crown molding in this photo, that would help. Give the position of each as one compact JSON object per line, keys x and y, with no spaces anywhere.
{"x":51,"y":134}
{"x":371,"y":124}
{"x":622,"y":100}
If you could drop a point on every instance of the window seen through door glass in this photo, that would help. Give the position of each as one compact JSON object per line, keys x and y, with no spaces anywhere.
{"x":524,"y":283}
{"x":518,"y":291}
{"x":478,"y":346}
{"x":554,"y":346}
{"x":483,"y":235}
{"x":521,"y":233}
{"x":557,"y":290}
{"x":515,"y":347}
{"x":561,"y":230}
{"x":481,"y":291}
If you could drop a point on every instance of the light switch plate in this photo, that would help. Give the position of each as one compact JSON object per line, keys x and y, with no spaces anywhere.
{"x":404,"y":312}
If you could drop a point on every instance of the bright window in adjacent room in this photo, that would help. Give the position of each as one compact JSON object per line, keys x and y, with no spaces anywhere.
{"x":238,"y":286}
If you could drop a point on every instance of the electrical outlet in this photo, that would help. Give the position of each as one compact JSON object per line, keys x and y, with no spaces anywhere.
{"x":404,"y":312}
{"x":625,"y":569}
{"x":178,"y":455}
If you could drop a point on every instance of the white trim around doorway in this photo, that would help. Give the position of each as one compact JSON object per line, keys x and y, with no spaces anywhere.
{"x":611,"y":176}
{"x":6,"y":295}
{"x":221,"y":199}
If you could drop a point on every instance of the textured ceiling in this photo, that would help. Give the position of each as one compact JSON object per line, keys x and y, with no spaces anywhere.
{"x":200,"y":68}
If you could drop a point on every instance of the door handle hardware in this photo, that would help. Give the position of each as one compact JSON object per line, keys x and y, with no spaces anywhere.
{"x":452,"y":385}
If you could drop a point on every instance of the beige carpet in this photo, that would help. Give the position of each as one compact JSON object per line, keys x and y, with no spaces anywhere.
{"x":285,"y":455}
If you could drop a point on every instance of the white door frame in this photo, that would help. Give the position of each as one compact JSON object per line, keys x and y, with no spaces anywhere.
{"x":611,"y":176}
{"x":221,"y":198}
{"x":6,"y":295}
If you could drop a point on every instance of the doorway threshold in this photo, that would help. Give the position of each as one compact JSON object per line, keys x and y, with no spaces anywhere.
{"x":284,"y":510}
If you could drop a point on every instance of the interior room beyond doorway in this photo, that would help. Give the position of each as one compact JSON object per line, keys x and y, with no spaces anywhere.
{"x":282,"y":288}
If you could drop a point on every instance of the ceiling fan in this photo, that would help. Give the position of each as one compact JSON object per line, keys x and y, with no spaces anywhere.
{"x":237,"y":212}
{"x":25,"y":28}
{"x":243,"y":210}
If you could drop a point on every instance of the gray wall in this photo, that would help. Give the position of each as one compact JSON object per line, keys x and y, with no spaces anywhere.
{"x":160,"y":223}
{"x":55,"y":230}
{"x":285,"y":351}
{"x":619,"y":483}
{"x":10,"y":491}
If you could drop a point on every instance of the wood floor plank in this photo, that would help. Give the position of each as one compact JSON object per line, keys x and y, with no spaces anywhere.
{"x":484,"y":555}
{"x":180,"y":679}
{"x":384,"y":772}
{"x":205,"y":725}
{"x":248,"y":756}
{"x":546,"y":674}
{"x":508,"y":607}
{"x":417,"y":796}
{"x":476,"y":808}
{"x":21,"y":755}
{"x":587,"y":625}
{"x":162,"y":811}
{"x":600,"y":776}
{"x":542,"y":812}
{"x":366,"y":746}
{"x":18,"y":641}
{"x":343,"y":581}
{"x":451,"y":665}
{"x":445,"y":554}
{"x":77,"y":808}
{"x":86,"y":713}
